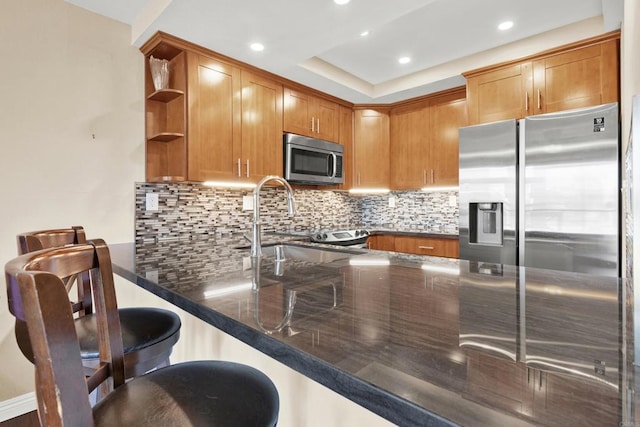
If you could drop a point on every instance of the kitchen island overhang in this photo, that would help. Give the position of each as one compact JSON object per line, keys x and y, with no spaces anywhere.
{"x":400,"y":332}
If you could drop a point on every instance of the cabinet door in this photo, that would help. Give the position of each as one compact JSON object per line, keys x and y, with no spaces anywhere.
{"x":410,"y":162}
{"x":298,"y":112}
{"x":501,"y":94}
{"x":427,"y":246}
{"x":579,"y":78}
{"x":445,"y":119}
{"x":381,"y":242}
{"x":261,"y":152}
{"x":214,"y":118}
{"x":371,"y":140}
{"x":327,"y":117}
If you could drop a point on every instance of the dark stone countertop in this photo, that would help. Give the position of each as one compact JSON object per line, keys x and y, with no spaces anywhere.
{"x":417,"y":340}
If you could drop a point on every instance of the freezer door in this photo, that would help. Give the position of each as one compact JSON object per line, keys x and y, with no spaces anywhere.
{"x":487,"y":198}
{"x":570,"y":191}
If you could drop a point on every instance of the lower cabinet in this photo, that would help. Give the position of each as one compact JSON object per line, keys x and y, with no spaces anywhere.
{"x":433,"y":246}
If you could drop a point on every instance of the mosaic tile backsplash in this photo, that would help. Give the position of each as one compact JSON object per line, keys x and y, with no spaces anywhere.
{"x":191,"y":210}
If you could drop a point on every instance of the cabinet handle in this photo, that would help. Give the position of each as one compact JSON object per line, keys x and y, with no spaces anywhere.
{"x":424,"y":176}
{"x":247,"y":168}
{"x":318,"y":127}
{"x":313,"y":124}
{"x":426,"y":247}
{"x":432,"y":176}
{"x":539,"y":99}
{"x":526,"y":101}
{"x":239,"y":168}
{"x":540,"y":380}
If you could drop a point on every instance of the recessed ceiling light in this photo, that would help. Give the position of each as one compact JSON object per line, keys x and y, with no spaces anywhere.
{"x":341,"y":2}
{"x":505,"y":25}
{"x":404,"y":60}
{"x":258,"y":47}
{"x":364,"y":33}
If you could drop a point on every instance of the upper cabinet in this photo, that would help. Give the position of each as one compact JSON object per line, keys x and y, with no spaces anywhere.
{"x":214,"y":118}
{"x":582,"y":74}
{"x":424,"y":141}
{"x":217,"y":121}
{"x":371,"y":148}
{"x":309,"y":115}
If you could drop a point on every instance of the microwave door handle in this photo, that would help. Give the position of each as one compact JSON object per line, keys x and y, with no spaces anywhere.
{"x":334,"y":165}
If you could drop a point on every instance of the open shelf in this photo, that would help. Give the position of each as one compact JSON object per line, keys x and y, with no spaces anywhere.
{"x":165,"y":95}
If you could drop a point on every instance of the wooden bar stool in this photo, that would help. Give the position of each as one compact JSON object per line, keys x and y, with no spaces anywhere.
{"x":149,"y":334}
{"x":203,"y":393}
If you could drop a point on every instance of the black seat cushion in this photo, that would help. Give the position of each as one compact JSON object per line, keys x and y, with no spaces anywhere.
{"x":142,"y":327}
{"x":204,"y":393}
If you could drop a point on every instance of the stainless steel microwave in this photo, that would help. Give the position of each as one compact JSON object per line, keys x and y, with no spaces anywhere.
{"x":312,"y":161}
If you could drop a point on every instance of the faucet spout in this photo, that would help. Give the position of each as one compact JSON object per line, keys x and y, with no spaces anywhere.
{"x":256,"y":238}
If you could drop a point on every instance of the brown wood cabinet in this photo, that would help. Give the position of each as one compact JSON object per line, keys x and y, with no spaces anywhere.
{"x":233,"y":116}
{"x":371,"y":148}
{"x":346,"y":139}
{"x":214,"y":118}
{"x":310,"y":115}
{"x":433,"y":246}
{"x":424,"y":141}
{"x":578,"y":75}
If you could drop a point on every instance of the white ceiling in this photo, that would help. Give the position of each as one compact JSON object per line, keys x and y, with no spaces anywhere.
{"x":318,"y":43}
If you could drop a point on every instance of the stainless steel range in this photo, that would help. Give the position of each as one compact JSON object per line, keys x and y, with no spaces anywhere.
{"x":348,"y":237}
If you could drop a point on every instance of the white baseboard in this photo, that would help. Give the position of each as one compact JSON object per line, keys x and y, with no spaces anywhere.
{"x":17,"y":406}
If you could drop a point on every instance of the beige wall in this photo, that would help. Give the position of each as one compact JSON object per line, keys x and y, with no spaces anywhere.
{"x":72,"y":120}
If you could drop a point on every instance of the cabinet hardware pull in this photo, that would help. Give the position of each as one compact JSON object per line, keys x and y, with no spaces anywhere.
{"x":239,"y":168}
{"x":432,"y":176}
{"x":313,"y":124}
{"x":247,"y":168}
{"x":318,"y":127}
{"x":528,"y":375}
{"x":424,"y":176}
{"x":526,"y":101}
{"x":426,"y":247}
{"x":539,"y":99}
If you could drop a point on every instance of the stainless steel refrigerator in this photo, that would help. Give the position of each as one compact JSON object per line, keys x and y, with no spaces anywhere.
{"x":543,"y":191}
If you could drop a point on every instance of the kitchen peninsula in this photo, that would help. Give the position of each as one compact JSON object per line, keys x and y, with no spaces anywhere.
{"x":417,"y":340}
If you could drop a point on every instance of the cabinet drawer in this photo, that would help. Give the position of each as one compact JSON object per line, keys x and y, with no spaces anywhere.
{"x":427,"y":246}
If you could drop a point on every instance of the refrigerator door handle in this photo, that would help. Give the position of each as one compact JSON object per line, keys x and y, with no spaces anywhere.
{"x":520,"y":218}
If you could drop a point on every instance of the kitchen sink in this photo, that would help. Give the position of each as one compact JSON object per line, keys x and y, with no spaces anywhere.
{"x":285,"y":251}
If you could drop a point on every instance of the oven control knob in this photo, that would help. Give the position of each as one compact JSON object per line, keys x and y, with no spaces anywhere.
{"x":324,"y":236}
{"x":364,"y":232}
{"x":357,"y":233}
{"x":319,"y":237}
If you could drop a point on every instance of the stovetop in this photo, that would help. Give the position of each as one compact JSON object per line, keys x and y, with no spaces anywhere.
{"x":340,"y":237}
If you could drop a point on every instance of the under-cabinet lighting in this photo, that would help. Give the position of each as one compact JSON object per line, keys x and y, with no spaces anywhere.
{"x":229,"y":184}
{"x":441,"y":269}
{"x":369,"y":191}
{"x":213,"y":293}
{"x":437,"y":189}
{"x":369,"y":261}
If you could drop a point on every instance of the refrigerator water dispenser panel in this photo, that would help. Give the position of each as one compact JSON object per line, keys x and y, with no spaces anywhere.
{"x":485,"y":223}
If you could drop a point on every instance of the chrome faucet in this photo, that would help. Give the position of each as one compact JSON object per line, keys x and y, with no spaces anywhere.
{"x":256,"y":229}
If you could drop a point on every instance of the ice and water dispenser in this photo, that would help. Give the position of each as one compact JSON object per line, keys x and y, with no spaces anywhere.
{"x":485,"y":223}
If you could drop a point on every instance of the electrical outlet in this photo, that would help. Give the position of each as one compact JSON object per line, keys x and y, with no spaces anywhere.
{"x":392,"y":201}
{"x":152,"y":201}
{"x":453,"y":201}
{"x":152,"y":275}
{"x":247,"y":203}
